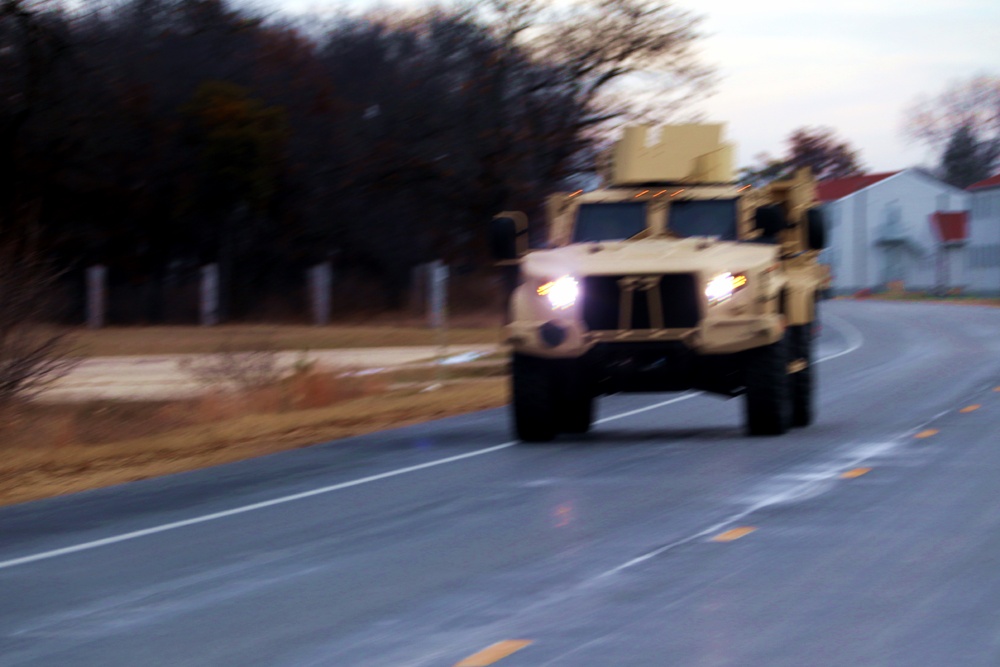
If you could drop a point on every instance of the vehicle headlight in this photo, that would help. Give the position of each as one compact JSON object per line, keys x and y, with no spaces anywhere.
{"x":561,"y":292}
{"x":723,"y":286}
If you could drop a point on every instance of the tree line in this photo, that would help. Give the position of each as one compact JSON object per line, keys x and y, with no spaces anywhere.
{"x":962,"y":125}
{"x":818,"y":148}
{"x":156,"y":136}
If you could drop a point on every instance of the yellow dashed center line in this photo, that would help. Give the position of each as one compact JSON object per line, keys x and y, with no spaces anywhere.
{"x":734,"y":534}
{"x":501,"y":650}
{"x":492,"y":654}
{"x":996,"y":388}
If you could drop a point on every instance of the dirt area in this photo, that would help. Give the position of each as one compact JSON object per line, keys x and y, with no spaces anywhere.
{"x":176,"y":376}
{"x":53,"y":446}
{"x":51,"y":450}
{"x":117,"y":341}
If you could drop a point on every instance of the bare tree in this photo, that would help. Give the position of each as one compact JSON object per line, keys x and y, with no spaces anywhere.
{"x":602,"y":44}
{"x":596,"y":45}
{"x":972,"y":104}
{"x":818,"y":148}
{"x":821,"y":150}
{"x":33,"y":353}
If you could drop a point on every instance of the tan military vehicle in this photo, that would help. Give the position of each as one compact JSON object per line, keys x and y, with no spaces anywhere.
{"x":672,"y":278}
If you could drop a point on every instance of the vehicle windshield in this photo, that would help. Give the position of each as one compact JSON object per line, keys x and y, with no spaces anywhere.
{"x":609,"y":222}
{"x":705,"y":217}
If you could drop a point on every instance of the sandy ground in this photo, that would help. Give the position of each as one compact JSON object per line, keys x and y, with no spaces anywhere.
{"x":157,"y":377}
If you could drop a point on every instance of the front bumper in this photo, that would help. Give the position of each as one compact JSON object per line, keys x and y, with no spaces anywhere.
{"x":568,"y":338}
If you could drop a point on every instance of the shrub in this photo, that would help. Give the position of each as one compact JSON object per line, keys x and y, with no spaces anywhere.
{"x":33,"y":353}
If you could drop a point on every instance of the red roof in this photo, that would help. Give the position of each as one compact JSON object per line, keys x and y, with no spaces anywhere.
{"x":991,"y":182}
{"x":836,"y":188}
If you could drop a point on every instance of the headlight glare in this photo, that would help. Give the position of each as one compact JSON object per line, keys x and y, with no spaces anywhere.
{"x":561,"y":292}
{"x":723,"y":286}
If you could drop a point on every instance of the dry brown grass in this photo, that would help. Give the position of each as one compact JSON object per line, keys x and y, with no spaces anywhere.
{"x":115,"y":341}
{"x":56,"y":449}
{"x":924,"y":297}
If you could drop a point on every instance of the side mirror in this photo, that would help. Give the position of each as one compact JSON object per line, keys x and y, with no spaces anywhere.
{"x":770,"y":220}
{"x":816,"y":230}
{"x":508,"y":235}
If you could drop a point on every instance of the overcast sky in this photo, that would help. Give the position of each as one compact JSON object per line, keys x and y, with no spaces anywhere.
{"x":853,"y":65}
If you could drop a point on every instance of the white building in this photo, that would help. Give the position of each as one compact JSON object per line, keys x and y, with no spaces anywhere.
{"x":984,"y":239}
{"x":882,"y":232}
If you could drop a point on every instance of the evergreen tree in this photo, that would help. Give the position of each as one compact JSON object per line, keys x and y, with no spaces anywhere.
{"x":966,"y":159}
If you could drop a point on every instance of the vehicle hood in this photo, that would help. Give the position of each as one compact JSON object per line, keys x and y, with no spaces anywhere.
{"x":649,"y":256}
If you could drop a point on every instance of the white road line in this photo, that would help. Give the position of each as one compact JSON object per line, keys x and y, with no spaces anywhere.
{"x":245,"y":508}
{"x":85,"y":546}
{"x":815,"y":480}
{"x":854,"y":338}
{"x":854,"y":341}
{"x":287,"y":499}
{"x":830,"y":474}
{"x":623,"y":415}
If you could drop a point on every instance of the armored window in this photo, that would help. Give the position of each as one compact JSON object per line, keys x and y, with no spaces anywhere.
{"x":707,"y":217}
{"x":609,"y":222}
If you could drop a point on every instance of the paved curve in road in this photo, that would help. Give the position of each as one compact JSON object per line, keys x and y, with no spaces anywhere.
{"x":664,"y":537}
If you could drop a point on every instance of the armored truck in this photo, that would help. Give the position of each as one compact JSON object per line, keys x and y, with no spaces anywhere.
{"x":672,"y":277}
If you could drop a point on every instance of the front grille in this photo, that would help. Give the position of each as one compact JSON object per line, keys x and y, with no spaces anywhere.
{"x":604,"y":298}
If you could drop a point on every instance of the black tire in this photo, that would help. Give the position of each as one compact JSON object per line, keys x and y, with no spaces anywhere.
{"x":576,"y":401}
{"x":800,"y":382}
{"x":534,"y":390}
{"x":768,"y":408}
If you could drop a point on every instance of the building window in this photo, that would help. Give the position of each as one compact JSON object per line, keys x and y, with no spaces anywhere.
{"x":984,"y":256}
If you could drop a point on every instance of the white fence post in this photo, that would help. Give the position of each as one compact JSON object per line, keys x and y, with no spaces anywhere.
{"x":437,"y":295}
{"x":97,"y":296}
{"x":209,"y":303}
{"x":437,"y":284}
{"x":320,"y":284}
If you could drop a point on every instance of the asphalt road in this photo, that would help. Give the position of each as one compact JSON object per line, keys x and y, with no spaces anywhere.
{"x":665,"y":537}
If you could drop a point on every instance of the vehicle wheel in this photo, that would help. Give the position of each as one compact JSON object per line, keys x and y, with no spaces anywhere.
{"x":534,"y":398}
{"x":576,"y":402}
{"x":577,"y":414}
{"x":800,"y":378}
{"x":768,"y":409}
